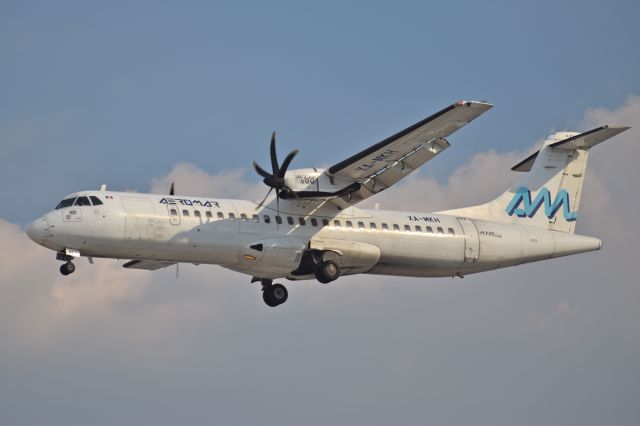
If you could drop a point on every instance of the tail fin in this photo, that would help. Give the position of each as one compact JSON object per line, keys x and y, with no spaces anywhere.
{"x":548,"y":196}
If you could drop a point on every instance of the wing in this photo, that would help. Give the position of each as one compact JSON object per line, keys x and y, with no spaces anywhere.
{"x":385,"y":163}
{"x":149,"y":265}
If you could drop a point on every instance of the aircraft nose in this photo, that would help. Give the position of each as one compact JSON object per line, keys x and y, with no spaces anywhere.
{"x":36,"y":230}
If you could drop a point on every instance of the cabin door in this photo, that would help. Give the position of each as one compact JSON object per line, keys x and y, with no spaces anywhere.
{"x":471,"y":240}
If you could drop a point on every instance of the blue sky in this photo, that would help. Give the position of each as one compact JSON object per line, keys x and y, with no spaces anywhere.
{"x":117,"y":93}
{"x":139,"y":94}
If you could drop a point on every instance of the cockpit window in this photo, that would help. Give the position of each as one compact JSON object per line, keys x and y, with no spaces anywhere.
{"x":95,"y":200}
{"x":65,"y":203}
{"x":82,"y":201}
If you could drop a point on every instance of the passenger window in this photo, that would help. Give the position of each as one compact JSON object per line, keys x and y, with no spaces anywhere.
{"x":336,"y":223}
{"x":95,"y":200}
{"x":289,"y":220}
{"x":266,"y":218}
{"x":174,"y":212}
{"x":440,"y":230}
{"x":451,"y":231}
{"x":385,"y":227}
{"x":373,"y":226}
{"x":243,"y":217}
{"x":314,"y":221}
{"x":255,"y":218}
{"x":82,"y":201}
{"x":349,"y":224}
{"x":208,"y":215}
{"x":197,"y":214}
{"x":302,"y":221}
{"x":279,"y":220}
{"x":325,"y":222}
{"x":185,"y":213}
{"x":407,"y":228}
{"x":360,"y":225}
{"x":232,"y":216}
{"x":220,"y":215}
{"x":429,"y":230}
{"x":396,"y":227}
{"x":418,"y":228}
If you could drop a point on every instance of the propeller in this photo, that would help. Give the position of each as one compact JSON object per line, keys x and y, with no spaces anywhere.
{"x":275,"y":179}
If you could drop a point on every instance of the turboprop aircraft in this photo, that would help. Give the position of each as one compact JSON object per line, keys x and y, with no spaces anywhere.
{"x":310,"y":227}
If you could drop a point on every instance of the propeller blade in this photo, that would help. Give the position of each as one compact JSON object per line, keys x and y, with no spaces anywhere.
{"x":286,"y":162}
{"x":274,"y":156}
{"x":262,"y":172}
{"x":172,"y":190}
{"x":265,"y":198}
{"x":292,"y":192}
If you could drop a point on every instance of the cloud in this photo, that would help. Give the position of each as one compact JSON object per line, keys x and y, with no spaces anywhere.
{"x":191,"y":180}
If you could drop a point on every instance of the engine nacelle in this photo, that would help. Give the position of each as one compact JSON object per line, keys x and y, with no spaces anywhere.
{"x":314,"y":183}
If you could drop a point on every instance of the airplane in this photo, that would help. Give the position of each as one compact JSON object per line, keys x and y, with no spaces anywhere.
{"x":310,"y":228}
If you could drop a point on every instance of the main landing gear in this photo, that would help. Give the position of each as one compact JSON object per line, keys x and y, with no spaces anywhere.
{"x":327,"y":271}
{"x":273,"y":294}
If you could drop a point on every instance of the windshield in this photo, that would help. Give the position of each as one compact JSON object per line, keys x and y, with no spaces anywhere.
{"x":65,"y":203}
{"x":82,"y":201}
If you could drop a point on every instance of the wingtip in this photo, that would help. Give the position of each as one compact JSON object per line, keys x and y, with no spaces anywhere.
{"x":482,"y":104}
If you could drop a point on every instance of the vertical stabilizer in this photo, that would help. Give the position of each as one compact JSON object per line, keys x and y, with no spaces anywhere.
{"x":548,"y":196}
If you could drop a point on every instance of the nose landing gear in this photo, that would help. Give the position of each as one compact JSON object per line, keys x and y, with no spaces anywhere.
{"x":67,"y":268}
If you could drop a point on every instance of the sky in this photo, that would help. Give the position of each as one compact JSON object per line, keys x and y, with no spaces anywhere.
{"x":139,"y":94}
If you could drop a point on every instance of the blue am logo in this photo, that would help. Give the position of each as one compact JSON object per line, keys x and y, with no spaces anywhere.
{"x":522,"y":206}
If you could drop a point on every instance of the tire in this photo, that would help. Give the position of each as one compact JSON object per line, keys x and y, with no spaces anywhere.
{"x":279,"y":293}
{"x":63,"y":269}
{"x":327,"y":272}
{"x":268,"y":299}
{"x":71,"y":268}
{"x":275,"y":295}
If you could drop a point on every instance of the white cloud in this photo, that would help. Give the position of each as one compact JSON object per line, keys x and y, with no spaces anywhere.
{"x":191,"y":180}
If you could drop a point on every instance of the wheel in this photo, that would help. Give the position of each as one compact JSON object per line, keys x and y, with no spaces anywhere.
{"x":327,"y":272}
{"x":67,"y":268}
{"x":63,"y":269}
{"x":275,"y":295}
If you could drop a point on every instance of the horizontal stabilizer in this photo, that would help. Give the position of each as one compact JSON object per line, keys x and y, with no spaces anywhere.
{"x":149,"y":265}
{"x":584,"y":141}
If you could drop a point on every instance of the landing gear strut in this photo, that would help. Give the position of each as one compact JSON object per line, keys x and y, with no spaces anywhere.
{"x":273,"y":294}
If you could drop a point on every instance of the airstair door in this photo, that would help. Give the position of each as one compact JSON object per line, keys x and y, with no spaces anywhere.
{"x":471,"y":240}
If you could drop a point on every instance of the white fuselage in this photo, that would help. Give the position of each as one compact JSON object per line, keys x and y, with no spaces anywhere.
{"x":241,"y":236}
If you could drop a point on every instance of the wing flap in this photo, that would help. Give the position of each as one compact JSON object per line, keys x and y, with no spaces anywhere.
{"x":149,"y":265}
